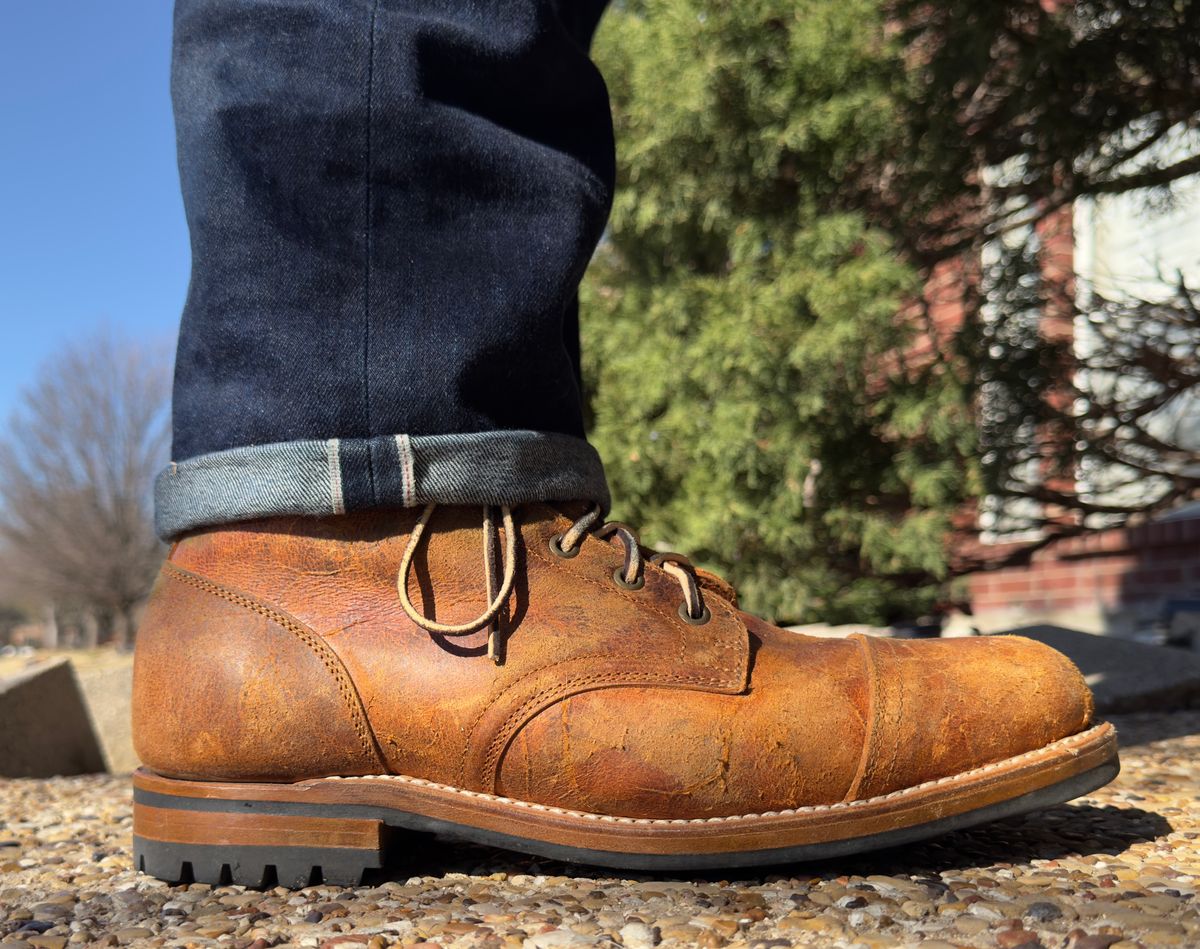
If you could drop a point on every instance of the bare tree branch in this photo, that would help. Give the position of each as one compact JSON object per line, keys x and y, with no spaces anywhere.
{"x":76,"y":470}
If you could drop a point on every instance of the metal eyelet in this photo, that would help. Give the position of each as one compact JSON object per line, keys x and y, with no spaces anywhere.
{"x":619,"y":579}
{"x":694,"y":620}
{"x":555,"y":546}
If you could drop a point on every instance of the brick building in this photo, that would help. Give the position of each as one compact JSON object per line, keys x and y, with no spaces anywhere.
{"x":1119,"y":581}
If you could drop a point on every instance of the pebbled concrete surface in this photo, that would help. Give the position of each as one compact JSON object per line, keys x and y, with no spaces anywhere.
{"x":1118,"y":869}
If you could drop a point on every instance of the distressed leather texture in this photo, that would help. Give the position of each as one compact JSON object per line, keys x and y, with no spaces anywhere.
{"x":278,"y":651}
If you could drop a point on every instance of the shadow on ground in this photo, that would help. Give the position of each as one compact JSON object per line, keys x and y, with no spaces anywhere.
{"x":1146,"y":727}
{"x":1067,"y":830}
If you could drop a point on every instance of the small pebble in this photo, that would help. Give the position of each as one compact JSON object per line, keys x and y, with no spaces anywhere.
{"x":1042,"y":912}
{"x":1017,"y":939}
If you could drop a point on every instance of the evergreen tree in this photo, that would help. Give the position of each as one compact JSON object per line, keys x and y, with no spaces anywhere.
{"x":792,"y":174}
{"x":742,"y":320}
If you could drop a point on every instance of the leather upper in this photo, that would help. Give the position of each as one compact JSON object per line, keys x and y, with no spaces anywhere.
{"x":278,"y":650}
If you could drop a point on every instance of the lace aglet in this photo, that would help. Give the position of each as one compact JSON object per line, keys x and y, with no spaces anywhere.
{"x":493,"y":649}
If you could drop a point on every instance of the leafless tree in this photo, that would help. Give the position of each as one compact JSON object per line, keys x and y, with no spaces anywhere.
{"x":1118,"y":436}
{"x":77,"y":464}
{"x":1020,"y":113}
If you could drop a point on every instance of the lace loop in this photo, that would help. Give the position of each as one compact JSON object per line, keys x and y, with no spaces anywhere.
{"x":496,"y":601}
{"x":573,"y":536}
{"x":631,"y":571}
{"x":678,"y":566}
{"x":630,"y":575}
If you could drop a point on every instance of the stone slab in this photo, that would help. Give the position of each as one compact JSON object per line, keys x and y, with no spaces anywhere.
{"x":108,"y":693}
{"x":45,"y":728}
{"x":1127,"y":676}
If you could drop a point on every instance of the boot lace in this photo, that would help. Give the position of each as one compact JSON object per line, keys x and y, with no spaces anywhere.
{"x":631,"y":575}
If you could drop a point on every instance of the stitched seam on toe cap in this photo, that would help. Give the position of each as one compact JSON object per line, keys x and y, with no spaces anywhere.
{"x":327,"y":657}
{"x":874,"y":710}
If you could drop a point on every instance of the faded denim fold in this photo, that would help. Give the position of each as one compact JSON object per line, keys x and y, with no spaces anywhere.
{"x":322,"y":477}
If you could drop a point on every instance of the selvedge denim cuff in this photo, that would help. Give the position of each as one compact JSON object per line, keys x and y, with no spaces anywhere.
{"x":321,"y":477}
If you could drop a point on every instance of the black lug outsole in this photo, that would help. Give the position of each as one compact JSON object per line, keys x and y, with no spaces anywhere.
{"x":253,"y":867}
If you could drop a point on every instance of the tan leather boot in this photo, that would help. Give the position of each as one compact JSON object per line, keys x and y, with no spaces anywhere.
{"x":294,"y":704}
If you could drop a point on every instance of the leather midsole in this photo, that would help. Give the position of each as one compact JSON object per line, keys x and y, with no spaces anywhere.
{"x":372,"y":797}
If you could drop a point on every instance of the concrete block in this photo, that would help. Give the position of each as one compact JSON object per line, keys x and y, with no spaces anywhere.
{"x":108,"y":692}
{"x":45,"y":728}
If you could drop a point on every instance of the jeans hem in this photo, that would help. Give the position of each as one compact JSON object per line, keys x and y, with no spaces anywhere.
{"x":322,"y":477}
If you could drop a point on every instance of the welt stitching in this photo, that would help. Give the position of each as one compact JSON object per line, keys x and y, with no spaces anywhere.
{"x":1062,"y":743}
{"x":491,"y":762}
{"x":310,"y":639}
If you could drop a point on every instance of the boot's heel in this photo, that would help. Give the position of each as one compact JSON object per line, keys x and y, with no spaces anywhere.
{"x":255,"y":843}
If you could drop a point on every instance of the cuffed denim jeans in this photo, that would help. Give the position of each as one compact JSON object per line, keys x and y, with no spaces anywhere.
{"x":391,"y":204}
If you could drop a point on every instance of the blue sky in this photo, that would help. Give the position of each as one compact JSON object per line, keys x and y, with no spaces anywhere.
{"x":91,"y":225}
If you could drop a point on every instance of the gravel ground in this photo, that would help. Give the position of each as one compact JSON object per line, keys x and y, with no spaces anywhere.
{"x":1118,"y":869}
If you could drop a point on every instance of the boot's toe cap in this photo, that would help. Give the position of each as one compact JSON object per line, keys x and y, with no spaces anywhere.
{"x":941,"y":707}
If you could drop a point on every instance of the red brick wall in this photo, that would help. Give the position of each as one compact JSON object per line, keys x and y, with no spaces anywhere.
{"x":1115,"y":579}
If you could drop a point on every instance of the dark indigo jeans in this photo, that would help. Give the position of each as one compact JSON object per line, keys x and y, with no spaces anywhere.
{"x":391,"y":204}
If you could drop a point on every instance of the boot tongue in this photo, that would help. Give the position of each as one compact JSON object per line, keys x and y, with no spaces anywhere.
{"x":714,"y":583}
{"x":572,"y":509}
